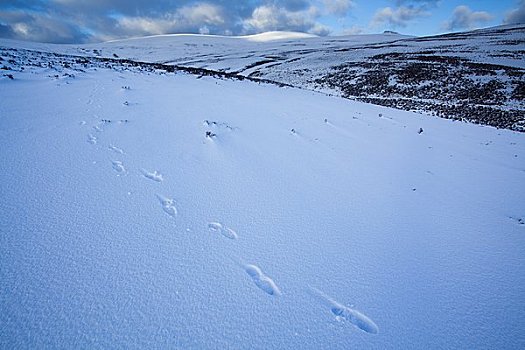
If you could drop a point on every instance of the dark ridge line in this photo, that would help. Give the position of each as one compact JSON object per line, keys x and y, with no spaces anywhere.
{"x":226,"y":75}
{"x":192,"y":70}
{"x":200,"y":72}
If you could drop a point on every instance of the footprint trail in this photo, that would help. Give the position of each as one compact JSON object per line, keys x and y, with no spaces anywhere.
{"x":342,"y":312}
{"x":265,"y":283}
{"x":116,"y":149}
{"x":92,"y":139}
{"x":155,"y":176}
{"x":223,"y":230}
{"x":118,"y":167}
{"x":168,"y":205}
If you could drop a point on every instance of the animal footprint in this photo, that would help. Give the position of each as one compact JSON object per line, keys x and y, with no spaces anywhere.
{"x":265,"y":283}
{"x":168,"y":205}
{"x":519,"y":221}
{"x":344,"y":313}
{"x":217,"y":124}
{"x":119,"y":168}
{"x":92,"y":139}
{"x":155,"y":176}
{"x":116,"y":149}
{"x":223,"y":230}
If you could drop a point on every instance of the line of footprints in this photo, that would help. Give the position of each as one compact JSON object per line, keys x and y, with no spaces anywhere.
{"x":260,"y":279}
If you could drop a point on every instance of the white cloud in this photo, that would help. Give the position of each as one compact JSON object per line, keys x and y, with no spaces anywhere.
{"x":196,"y":18}
{"x":85,"y":21}
{"x":21,"y":29}
{"x":398,"y":17}
{"x":266,"y":18}
{"x":202,"y":13}
{"x":144,"y":26}
{"x":319,"y":29}
{"x":271,"y":18}
{"x":338,"y":7}
{"x":464,"y":18}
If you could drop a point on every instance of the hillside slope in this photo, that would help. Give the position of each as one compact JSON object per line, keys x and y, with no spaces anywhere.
{"x":144,"y":208}
{"x":476,"y":76}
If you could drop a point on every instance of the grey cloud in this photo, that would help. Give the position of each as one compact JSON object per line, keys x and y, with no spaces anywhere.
{"x":6,"y":31}
{"x":198,"y":18}
{"x":122,"y":7}
{"x":38,"y":27}
{"x":517,"y":15}
{"x":338,"y":7}
{"x":96,"y":20}
{"x":270,"y":18}
{"x":397,"y":17}
{"x":402,"y":13}
{"x":464,"y":18}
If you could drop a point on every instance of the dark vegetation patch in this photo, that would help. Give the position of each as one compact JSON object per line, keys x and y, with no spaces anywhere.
{"x":259,"y":63}
{"x":59,"y":62}
{"x":443,"y":85}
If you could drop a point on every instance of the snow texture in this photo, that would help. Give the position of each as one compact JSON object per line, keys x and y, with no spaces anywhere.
{"x":124,"y":226}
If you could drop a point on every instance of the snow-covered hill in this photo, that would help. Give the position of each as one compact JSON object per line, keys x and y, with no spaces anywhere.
{"x":145,"y":207}
{"x":476,"y":76}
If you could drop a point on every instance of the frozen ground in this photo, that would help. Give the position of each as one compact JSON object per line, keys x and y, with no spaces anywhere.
{"x":477,"y":76}
{"x":300,"y":221}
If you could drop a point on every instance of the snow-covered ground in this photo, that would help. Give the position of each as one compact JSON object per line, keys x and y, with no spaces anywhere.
{"x":148,"y":210}
{"x":477,"y":76}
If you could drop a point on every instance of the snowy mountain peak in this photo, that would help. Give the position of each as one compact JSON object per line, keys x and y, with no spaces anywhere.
{"x":261,"y":37}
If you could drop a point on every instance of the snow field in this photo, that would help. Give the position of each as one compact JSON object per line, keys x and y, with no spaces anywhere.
{"x":124,"y":225}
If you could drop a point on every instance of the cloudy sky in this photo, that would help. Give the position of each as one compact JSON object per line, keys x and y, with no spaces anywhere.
{"x":80,"y":21}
